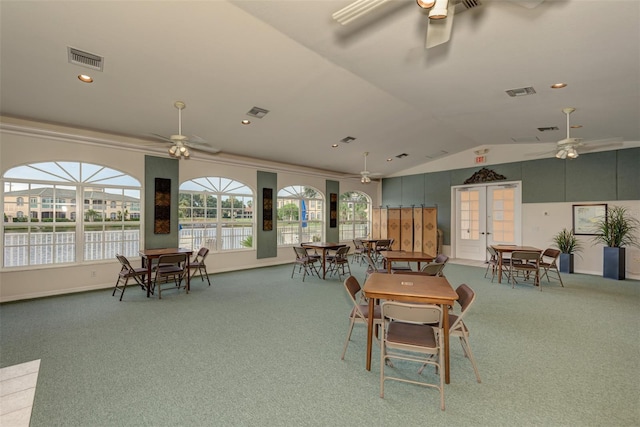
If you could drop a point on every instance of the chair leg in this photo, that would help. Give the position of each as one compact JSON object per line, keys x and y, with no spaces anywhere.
{"x":346,"y":342}
{"x":559,"y":278}
{"x":467,"y":352}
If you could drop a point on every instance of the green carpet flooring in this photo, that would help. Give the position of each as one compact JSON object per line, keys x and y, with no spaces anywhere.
{"x":258,"y":348}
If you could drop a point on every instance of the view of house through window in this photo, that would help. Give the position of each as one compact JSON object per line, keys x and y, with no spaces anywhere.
{"x":75,"y":212}
{"x":355,"y":215}
{"x":217,"y":213}
{"x":300,"y":212}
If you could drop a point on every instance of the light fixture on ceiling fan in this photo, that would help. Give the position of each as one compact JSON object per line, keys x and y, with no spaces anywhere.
{"x":181,"y":144}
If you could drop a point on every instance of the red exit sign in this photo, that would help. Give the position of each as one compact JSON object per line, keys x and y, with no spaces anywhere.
{"x":481,"y":159}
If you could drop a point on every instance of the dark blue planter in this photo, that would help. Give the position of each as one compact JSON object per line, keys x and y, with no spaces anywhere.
{"x":614,"y":263}
{"x":566,"y":263}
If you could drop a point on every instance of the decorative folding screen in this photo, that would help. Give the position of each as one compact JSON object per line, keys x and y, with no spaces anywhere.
{"x":414,"y":229}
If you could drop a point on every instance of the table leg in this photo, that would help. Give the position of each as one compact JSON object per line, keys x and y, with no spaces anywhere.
{"x":499,"y":267}
{"x":324,"y":263}
{"x":188,"y":274}
{"x":445,"y":328}
{"x":370,"y":332}
{"x":147,"y":261}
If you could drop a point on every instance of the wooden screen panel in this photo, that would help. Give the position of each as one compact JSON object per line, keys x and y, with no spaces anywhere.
{"x":375,"y":223}
{"x":383,"y":224}
{"x":430,"y":231}
{"x":417,"y":230}
{"x":393,"y":226}
{"x":406,"y":230}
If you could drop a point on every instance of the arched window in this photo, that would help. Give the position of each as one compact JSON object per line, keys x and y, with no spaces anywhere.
{"x":217,"y":213}
{"x":48,"y":235}
{"x":355,"y":215}
{"x":300,"y":212}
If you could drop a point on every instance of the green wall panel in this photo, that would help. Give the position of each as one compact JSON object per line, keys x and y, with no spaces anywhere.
{"x":160,"y":167}
{"x":392,"y":191}
{"x":437,"y":192}
{"x":628,"y":174}
{"x":267,"y":241}
{"x":543,"y":181}
{"x":412,"y":190}
{"x":591,"y":177}
{"x":332,"y":234}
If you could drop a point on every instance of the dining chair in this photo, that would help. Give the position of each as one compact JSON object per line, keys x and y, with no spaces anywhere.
{"x":305,"y":263}
{"x":172,"y":268}
{"x":197,"y":264}
{"x":360,"y":310}
{"x":493,"y":263}
{"x":372,"y":267}
{"x":413,"y":333}
{"x":431,"y":269}
{"x":127,"y":271}
{"x":339,"y":262}
{"x":526,"y":262}
{"x":549,"y":261}
{"x":457,"y":328}
{"x":359,"y":249}
{"x":381,"y":245}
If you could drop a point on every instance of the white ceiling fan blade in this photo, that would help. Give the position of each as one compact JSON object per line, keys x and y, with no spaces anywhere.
{"x":164,"y":138}
{"x":203,"y":147}
{"x":439,"y":30}
{"x":596,"y":144}
{"x":356,"y":10}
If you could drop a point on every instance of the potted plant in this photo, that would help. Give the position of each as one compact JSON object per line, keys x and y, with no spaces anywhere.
{"x":617,"y":229}
{"x":566,"y":241}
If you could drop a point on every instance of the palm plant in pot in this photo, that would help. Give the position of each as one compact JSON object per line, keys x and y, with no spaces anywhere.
{"x":566,"y":241}
{"x":616,"y":230}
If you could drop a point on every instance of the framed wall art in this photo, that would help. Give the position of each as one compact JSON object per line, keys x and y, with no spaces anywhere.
{"x":333,"y":210}
{"x":585,"y":218}
{"x":267,"y":209}
{"x":162,"y":206}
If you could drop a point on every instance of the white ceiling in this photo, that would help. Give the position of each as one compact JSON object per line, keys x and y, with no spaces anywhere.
{"x":372,"y":80}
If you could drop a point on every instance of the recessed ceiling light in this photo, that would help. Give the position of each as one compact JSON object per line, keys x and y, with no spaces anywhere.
{"x":84,"y":78}
{"x":576,"y":126}
{"x":558,"y":85}
{"x":246,"y":122}
{"x":334,"y":145}
{"x":389,"y":160}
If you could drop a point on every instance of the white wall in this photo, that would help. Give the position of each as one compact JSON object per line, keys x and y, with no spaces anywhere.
{"x":541,"y":221}
{"x":23,"y":142}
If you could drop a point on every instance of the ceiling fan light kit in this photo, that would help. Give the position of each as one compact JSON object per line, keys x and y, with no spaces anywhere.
{"x":426,"y":4}
{"x":439,"y":10}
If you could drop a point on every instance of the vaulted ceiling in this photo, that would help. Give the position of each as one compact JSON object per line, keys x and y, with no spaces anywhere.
{"x":321,"y":82}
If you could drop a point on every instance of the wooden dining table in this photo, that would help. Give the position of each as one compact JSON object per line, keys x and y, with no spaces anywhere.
{"x":405,"y":256}
{"x":324,"y":247}
{"x":148,"y":255}
{"x":507,"y":249}
{"x":410,"y":288}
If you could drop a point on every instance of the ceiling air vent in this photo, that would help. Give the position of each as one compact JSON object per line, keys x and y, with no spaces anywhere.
{"x":523,"y":91}
{"x":85,"y":59}
{"x":436,"y":154}
{"x":347,"y":139}
{"x":548,"y":128}
{"x":257,"y":112}
{"x":525,"y":139}
{"x":402,"y":155}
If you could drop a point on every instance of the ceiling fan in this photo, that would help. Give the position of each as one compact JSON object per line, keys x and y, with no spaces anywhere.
{"x":365,"y":175}
{"x":181,"y":144}
{"x":568,"y":147}
{"x":441,"y":13}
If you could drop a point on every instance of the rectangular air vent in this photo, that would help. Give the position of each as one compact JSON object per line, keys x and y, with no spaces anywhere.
{"x":525,"y":139}
{"x":257,"y":112}
{"x":523,"y":91}
{"x":85,"y":59}
{"x":399,"y":156}
{"x":436,"y":154}
{"x":548,"y":128}
{"x":347,"y":139}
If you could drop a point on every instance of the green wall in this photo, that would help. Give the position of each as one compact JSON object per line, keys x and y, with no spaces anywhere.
{"x":267,"y":241}
{"x":158,"y":167}
{"x":609,"y":175}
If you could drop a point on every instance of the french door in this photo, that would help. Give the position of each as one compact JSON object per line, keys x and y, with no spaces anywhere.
{"x":486,"y":215}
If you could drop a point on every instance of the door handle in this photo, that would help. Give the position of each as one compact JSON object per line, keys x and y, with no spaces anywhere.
{"x":482,"y":233}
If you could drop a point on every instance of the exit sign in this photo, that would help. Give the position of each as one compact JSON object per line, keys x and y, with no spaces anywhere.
{"x":481,"y":159}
